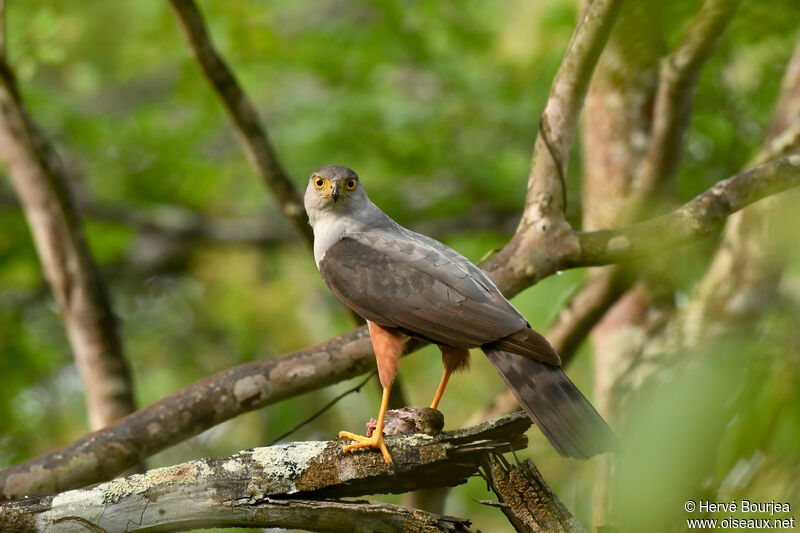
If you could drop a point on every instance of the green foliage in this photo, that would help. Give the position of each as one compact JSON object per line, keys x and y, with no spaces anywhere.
{"x":435,"y":104}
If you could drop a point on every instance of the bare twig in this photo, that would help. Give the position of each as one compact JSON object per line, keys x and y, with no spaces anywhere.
{"x":180,"y":223}
{"x":322,"y":409}
{"x":246,"y":120}
{"x":244,"y":115}
{"x":39,"y":180}
{"x":183,"y":224}
{"x":251,"y":487}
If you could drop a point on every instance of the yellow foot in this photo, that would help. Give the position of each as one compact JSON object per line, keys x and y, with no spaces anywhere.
{"x":375,"y":441}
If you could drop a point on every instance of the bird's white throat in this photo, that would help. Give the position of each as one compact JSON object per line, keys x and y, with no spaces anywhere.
{"x":328,"y":230}
{"x":331,"y":225}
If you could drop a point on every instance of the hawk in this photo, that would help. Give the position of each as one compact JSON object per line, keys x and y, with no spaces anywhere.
{"x":406,"y":284}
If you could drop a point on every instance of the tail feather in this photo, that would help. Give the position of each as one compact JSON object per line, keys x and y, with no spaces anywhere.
{"x":554,"y":403}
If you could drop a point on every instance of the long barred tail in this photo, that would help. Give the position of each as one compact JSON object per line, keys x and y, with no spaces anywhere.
{"x":563,"y":414}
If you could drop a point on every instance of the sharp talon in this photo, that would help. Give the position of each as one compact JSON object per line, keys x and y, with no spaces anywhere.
{"x":376,"y":441}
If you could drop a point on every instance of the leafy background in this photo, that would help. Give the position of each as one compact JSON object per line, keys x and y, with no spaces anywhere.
{"x":435,"y":104}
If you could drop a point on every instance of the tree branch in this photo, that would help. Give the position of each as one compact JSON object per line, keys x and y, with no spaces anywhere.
{"x":559,"y":120}
{"x":39,"y":180}
{"x":623,"y":178}
{"x":691,"y":221}
{"x":293,"y":513}
{"x":542,"y":230}
{"x":675,"y":94}
{"x":278,"y":486}
{"x":743,"y":276}
{"x":247,"y":387}
{"x":244,"y":116}
{"x":617,"y":121}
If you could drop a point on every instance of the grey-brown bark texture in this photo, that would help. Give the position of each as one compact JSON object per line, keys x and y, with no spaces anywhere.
{"x":39,"y":180}
{"x":525,"y":498}
{"x":693,"y":220}
{"x":278,"y":486}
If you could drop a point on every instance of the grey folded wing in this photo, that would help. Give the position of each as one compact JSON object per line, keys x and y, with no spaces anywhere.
{"x":424,"y":289}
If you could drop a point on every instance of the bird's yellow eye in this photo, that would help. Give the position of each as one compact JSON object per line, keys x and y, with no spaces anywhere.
{"x":350,"y":184}
{"x":319,"y":183}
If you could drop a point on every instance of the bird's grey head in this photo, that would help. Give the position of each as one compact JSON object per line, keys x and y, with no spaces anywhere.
{"x":333,"y":189}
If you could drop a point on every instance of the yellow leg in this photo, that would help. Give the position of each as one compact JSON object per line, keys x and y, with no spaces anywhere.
{"x":376,"y":440}
{"x":442,"y":386}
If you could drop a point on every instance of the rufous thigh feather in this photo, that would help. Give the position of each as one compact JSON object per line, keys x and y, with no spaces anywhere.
{"x":453,"y":358}
{"x":388,"y":345}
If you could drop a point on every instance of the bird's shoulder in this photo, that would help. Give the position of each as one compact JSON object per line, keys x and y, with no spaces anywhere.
{"x":396,"y":255}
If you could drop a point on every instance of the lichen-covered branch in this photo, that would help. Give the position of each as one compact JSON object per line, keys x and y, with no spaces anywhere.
{"x":693,"y":220}
{"x":244,"y":115}
{"x":101,"y":455}
{"x":39,"y":181}
{"x":260,"y":487}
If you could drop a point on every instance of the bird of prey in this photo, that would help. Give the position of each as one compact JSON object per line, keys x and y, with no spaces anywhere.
{"x":406,"y":284}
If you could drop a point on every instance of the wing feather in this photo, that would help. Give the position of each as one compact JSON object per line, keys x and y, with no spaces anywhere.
{"x":409,"y":284}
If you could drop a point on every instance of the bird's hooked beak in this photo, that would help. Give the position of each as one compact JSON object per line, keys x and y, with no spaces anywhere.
{"x":335,"y":192}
